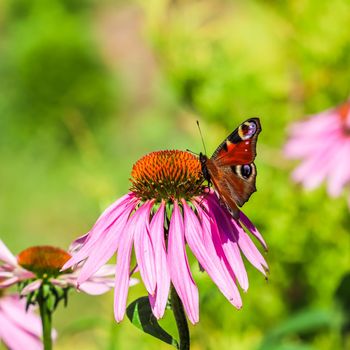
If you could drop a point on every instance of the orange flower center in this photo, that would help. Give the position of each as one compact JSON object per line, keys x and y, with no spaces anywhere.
{"x":43,"y":260}
{"x":167,"y":175}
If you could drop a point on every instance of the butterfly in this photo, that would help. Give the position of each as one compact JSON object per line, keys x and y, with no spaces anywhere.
{"x":231,"y":168}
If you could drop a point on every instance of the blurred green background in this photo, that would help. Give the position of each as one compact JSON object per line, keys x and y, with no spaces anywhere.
{"x":87,"y":87}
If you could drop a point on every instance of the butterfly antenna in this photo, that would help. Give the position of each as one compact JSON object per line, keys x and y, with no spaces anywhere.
{"x":188,"y":150}
{"x":200,"y":132}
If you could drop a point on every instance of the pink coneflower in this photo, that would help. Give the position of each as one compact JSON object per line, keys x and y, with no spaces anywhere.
{"x":167,"y":208}
{"x":35,"y":264}
{"x":323,"y":144}
{"x":19,"y":329}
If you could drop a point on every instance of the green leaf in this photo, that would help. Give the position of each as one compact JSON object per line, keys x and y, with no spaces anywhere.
{"x":140,"y":314}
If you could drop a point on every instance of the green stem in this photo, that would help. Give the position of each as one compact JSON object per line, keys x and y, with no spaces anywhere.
{"x":46,"y":320}
{"x":181,"y":321}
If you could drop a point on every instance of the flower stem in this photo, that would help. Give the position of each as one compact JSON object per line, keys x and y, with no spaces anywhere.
{"x":181,"y":321}
{"x":46,"y":320}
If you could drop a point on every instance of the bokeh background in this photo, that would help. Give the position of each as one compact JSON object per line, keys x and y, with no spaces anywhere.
{"x":89,"y":86}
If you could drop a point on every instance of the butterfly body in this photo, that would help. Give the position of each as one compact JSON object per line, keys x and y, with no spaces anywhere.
{"x":231,"y":168}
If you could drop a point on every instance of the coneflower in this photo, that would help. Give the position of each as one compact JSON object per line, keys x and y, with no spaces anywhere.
{"x":168,"y":207}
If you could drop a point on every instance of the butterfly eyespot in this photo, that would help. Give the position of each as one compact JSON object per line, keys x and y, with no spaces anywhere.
{"x":247,"y":130}
{"x":246,"y":171}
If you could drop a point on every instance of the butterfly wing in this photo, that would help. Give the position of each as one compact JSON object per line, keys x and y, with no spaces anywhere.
{"x":231,"y":167}
{"x":240,"y":146}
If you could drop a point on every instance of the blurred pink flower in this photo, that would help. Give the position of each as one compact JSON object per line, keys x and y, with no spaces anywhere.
{"x":34,"y":263}
{"x":167,"y":208}
{"x":19,"y":329}
{"x":323,"y":144}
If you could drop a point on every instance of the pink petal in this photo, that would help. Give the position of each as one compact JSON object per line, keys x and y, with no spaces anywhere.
{"x":14,"y":308}
{"x":340,"y":173}
{"x":159,"y":300}
{"x":204,"y":250}
{"x":9,"y":282}
{"x":6,"y":256}
{"x":102,"y":228}
{"x":105,"y":270}
{"x":31,"y":287}
{"x":317,"y":124}
{"x":144,"y":250}
{"x":104,"y":249}
{"x":178,"y":266}
{"x":252,"y":229}
{"x":303,"y":147}
{"x":122,"y":276}
{"x":16,"y":338}
{"x":94,"y":288}
{"x":315,"y":168}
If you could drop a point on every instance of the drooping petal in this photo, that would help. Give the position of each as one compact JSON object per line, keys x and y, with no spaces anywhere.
{"x":205,"y":252}
{"x":105,"y":248}
{"x":252,"y":229}
{"x":6,"y":256}
{"x":102,"y":228}
{"x":109,"y":215}
{"x":159,"y":300}
{"x":31,"y":287}
{"x":221,"y":222}
{"x":144,"y":250}
{"x":248,"y":248}
{"x":122,"y":275}
{"x":180,"y":272}
{"x":9,"y":282}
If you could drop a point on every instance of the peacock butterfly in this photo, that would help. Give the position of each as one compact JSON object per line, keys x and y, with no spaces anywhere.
{"x":231,"y":168}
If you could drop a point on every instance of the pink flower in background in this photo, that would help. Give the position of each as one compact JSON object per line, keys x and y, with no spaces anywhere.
{"x":19,"y":329}
{"x":323,"y":144}
{"x":167,"y":208}
{"x":34,"y":264}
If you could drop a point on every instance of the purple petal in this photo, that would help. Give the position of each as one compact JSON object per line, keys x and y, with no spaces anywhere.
{"x":78,"y":243}
{"x":205,"y":252}
{"x":249,"y":249}
{"x":180,"y":273}
{"x":122,"y":275}
{"x":252,"y":229}
{"x":159,"y":299}
{"x":144,"y":250}
{"x":6,"y":256}
{"x":221,"y":222}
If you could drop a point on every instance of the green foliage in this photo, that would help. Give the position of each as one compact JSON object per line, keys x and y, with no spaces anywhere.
{"x":140,"y":315}
{"x":48,"y":67}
